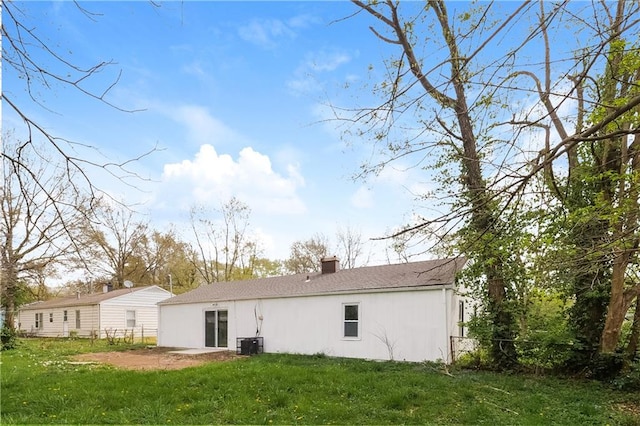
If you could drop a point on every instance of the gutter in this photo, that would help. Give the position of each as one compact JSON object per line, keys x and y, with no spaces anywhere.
{"x":168,"y":302}
{"x":446,"y":324}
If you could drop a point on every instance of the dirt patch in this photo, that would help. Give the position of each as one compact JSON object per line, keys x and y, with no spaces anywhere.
{"x":155,"y":358}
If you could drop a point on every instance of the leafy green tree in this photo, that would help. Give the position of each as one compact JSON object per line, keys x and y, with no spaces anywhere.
{"x":595,"y":206}
{"x":467,"y":114}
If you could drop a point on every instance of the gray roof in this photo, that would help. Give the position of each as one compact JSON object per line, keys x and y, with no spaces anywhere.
{"x":370,"y":278}
{"x":83,"y":300}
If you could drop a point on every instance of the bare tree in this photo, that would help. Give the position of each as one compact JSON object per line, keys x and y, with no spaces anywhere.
{"x":225,"y":248}
{"x":167,"y":261}
{"x":350,"y":247}
{"x":306,"y":255}
{"x":40,"y":66}
{"x":35,"y":231}
{"x":110,"y":243}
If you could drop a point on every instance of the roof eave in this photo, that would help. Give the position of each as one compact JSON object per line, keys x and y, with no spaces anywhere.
{"x":439,"y":286}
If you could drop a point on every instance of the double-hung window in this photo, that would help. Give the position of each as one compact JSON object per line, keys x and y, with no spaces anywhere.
{"x":77,"y":319}
{"x":131,"y":319}
{"x":351,"y":320}
{"x":39,"y":320}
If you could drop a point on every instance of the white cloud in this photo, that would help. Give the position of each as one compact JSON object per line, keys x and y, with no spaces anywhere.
{"x":362,"y":198}
{"x":211,"y":178}
{"x":303,"y":21}
{"x":203,"y":128}
{"x":304,"y":79}
{"x":265,"y":32}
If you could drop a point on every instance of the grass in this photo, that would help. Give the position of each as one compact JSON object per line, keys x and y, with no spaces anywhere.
{"x":38,"y":386}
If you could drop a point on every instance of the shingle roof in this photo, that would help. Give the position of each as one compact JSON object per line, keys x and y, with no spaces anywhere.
{"x":84,"y":299}
{"x":369,"y":278}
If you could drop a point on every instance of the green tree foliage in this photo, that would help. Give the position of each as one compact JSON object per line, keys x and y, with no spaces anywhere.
{"x":594,"y":230}
{"x":463,"y":99}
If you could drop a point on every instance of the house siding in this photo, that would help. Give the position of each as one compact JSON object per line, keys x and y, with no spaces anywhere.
{"x":89,"y":320}
{"x":405,"y":325}
{"x":113,"y":312}
{"x":97,"y":317}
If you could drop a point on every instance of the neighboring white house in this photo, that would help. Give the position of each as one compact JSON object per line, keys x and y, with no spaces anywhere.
{"x":131,"y":309}
{"x":402,"y":312}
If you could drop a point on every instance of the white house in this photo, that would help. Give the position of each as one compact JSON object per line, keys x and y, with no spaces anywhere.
{"x":402,"y":312}
{"x":131,"y":309}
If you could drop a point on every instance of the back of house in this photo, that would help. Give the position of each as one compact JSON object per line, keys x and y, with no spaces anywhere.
{"x":128,"y":310}
{"x":403,"y":312}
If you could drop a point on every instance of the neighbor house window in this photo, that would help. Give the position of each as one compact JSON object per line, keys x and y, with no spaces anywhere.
{"x":64,"y":316}
{"x":50,"y":317}
{"x":39,"y":320}
{"x":351,"y":320}
{"x":461,"y":317}
{"x":77,"y":319}
{"x":131,"y":319}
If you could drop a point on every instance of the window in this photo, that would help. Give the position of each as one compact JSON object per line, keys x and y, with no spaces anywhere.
{"x":50,"y":317}
{"x":351,"y":320}
{"x":461,"y":318}
{"x":77,"y":319}
{"x":64,"y":316}
{"x":39,"y":320}
{"x":131,"y":319}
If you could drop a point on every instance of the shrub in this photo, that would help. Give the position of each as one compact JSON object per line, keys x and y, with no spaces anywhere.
{"x":8,"y":337}
{"x":607,"y":366}
{"x":628,"y":379}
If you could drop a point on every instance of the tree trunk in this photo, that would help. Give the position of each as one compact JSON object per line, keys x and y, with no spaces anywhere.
{"x":9,"y":283}
{"x":634,"y":339}
{"x":616,"y":310}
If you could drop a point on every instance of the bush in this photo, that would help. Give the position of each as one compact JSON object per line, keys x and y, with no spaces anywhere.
{"x":607,"y":366}
{"x":8,"y":337}
{"x":628,"y":379}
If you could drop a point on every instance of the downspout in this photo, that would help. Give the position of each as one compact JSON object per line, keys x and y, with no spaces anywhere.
{"x":446,"y":325}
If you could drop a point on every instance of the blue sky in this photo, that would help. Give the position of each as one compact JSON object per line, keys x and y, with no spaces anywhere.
{"x":235,"y":96}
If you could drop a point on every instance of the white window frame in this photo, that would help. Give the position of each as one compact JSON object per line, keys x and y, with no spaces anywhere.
{"x":127,"y":318}
{"x":64,"y":316}
{"x":345,"y":321}
{"x":39,"y":321}
{"x":78,"y":323}
{"x":50,"y":316}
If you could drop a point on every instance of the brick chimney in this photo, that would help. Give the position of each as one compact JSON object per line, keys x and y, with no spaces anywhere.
{"x":330,"y":265}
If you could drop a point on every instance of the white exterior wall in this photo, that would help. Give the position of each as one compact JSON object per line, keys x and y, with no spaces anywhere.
{"x":89,"y":321}
{"x":144,"y":302}
{"x":415,"y":324}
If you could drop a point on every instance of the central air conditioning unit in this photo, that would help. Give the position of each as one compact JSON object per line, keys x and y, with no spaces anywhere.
{"x":249,"y":345}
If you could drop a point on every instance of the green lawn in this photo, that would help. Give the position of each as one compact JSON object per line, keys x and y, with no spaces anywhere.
{"x":38,"y":386}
